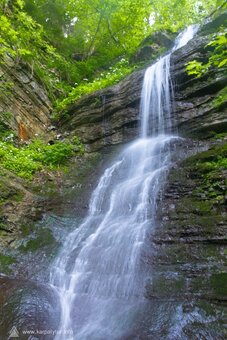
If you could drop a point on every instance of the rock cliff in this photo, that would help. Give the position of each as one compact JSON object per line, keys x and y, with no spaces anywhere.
{"x":188,"y":248}
{"x":195,"y":110}
{"x":24,"y":106}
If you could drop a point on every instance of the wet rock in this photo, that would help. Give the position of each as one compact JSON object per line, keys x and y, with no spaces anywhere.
{"x":107,"y":117}
{"x":195,"y":113}
{"x":188,"y":257}
{"x":152,"y":47}
{"x":212,"y":25}
{"x":29,"y":307}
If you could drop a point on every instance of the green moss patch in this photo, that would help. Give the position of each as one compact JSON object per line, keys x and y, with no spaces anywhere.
{"x":44,"y":238}
{"x":5,"y":262}
{"x":218,"y":283}
{"x":210,"y":167}
{"x":221,"y":100}
{"x":212,"y":157}
{"x":9,"y":193}
{"x":26,"y":229}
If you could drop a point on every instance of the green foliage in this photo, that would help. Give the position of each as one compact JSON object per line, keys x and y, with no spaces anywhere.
{"x":108,"y":28}
{"x":6,"y":87}
{"x":86,"y":27}
{"x":106,"y":78}
{"x":67,"y":41}
{"x":219,"y":162}
{"x":21,"y":36}
{"x":24,"y":40}
{"x":174,"y":15}
{"x":222,"y":135}
{"x":213,"y":159}
{"x":195,"y":68}
{"x":5,"y":262}
{"x":25,"y":161}
{"x":93,"y":33}
{"x":52,"y":16}
{"x":218,"y":57}
{"x":5,"y":131}
{"x":210,"y":168}
{"x":221,"y":99}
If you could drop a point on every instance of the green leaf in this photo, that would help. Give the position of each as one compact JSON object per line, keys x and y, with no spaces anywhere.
{"x":222,"y":63}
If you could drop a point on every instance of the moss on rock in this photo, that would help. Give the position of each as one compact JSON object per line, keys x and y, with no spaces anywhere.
{"x":5,"y":263}
{"x":43,"y":239}
{"x":9,"y":192}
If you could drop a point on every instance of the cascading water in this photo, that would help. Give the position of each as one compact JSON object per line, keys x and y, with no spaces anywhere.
{"x":99,"y":274}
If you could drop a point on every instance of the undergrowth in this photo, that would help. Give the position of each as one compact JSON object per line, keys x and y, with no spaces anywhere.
{"x":106,"y":78}
{"x":24,"y":161}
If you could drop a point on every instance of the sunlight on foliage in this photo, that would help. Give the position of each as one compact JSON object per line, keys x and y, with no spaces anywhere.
{"x":218,"y":57}
{"x":195,"y":68}
{"x":24,"y":41}
{"x":26,"y":160}
{"x":221,"y":99}
{"x":105,"y":79}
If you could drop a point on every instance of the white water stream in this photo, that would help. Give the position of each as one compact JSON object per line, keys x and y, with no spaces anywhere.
{"x":98,"y":274}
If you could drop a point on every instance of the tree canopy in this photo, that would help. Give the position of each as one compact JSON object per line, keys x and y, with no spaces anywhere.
{"x":109,"y":28}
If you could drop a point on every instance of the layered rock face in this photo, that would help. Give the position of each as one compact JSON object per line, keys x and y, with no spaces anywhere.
{"x":188,"y":248}
{"x":111,"y":116}
{"x":195,"y":111}
{"x":24,"y":106}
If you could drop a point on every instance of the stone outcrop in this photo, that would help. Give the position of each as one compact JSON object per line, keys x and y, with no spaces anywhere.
{"x":152,"y":46}
{"x":111,"y":116}
{"x":25,"y":107}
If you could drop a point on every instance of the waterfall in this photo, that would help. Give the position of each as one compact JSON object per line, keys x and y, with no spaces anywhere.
{"x":100,"y":273}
